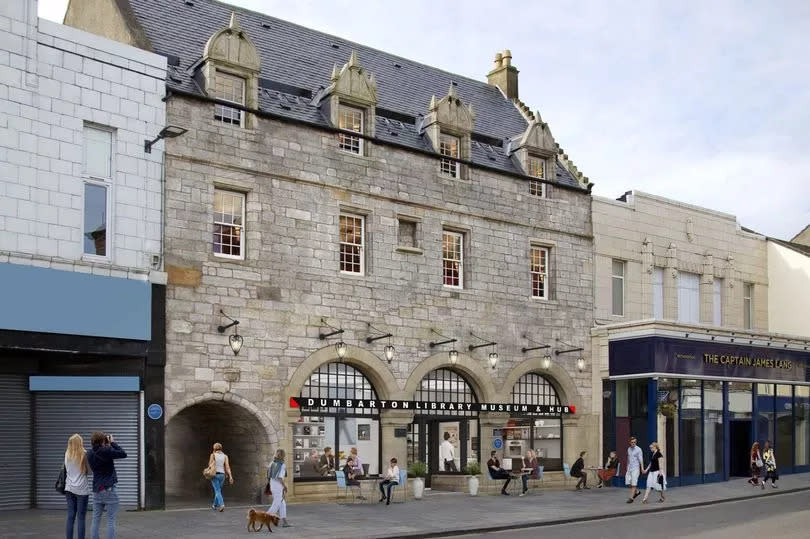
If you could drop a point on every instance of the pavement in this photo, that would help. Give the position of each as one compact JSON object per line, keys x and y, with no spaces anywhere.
{"x":438,"y":514}
{"x":786,"y":516}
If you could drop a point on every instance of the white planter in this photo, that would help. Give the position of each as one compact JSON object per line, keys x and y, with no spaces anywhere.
{"x":472,"y":483}
{"x":418,"y":487}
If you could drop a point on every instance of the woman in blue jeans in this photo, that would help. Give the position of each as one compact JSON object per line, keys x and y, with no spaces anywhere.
{"x":77,"y":487}
{"x":222,"y":465}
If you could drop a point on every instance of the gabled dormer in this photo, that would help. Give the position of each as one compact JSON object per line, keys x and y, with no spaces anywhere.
{"x":230,"y":72}
{"x":535,"y":152}
{"x":349,"y":102}
{"x":448,"y":125}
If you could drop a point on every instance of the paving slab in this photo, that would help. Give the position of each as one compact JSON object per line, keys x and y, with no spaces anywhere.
{"x":437,"y":514}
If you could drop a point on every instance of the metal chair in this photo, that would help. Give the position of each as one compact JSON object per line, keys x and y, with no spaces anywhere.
{"x":566,"y":473}
{"x":540,"y":470}
{"x":340,"y":477}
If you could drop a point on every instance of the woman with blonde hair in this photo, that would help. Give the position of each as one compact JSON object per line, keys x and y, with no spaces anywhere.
{"x":278,"y":488}
{"x":222,"y":465}
{"x":77,"y":487}
{"x":656,"y":478}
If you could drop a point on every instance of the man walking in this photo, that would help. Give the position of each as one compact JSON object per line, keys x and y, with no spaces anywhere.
{"x":100,"y":458}
{"x":447,"y":454}
{"x":635,"y":463}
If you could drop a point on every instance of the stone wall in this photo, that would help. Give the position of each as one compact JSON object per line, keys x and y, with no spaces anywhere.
{"x":296,"y":183}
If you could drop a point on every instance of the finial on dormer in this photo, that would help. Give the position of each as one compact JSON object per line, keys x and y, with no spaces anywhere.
{"x":335,"y":73}
{"x":234,"y":24}
{"x":353,"y":59}
{"x":372,"y":79}
{"x":432,"y":103}
{"x":452,"y":91}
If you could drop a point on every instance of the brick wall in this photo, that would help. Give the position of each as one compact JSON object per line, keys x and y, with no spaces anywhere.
{"x":56,"y":79}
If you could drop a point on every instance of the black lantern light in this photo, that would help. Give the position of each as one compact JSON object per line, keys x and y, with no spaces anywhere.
{"x":234,"y":340}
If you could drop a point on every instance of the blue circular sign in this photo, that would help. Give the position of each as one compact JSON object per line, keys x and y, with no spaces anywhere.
{"x":497,"y":443}
{"x":155,"y":411}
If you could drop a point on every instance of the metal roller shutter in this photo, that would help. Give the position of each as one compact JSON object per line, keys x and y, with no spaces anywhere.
{"x":61,"y":414}
{"x":15,"y":449}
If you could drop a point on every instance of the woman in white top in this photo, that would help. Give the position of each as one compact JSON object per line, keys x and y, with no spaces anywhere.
{"x":278,"y":489}
{"x":223,"y":466}
{"x":77,"y":487}
{"x":390,"y":478}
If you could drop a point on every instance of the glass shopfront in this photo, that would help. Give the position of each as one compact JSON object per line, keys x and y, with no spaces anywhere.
{"x":446,"y":441}
{"x":540,"y":433}
{"x":324,"y":437}
{"x":704,"y":425}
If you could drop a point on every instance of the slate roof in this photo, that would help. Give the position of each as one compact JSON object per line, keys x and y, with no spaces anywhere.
{"x":302,"y":58}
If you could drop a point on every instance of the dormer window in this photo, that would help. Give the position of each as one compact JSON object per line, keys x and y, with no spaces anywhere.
{"x":350,"y":119}
{"x":229,"y":88}
{"x":536,"y":168}
{"x":448,"y":146}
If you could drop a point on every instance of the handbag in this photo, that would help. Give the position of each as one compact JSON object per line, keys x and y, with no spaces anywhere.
{"x":61,"y":481}
{"x":210,"y":471}
{"x":758,"y":463}
{"x":661,"y":479}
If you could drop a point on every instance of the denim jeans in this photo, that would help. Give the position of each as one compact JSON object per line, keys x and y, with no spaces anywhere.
{"x":216,"y":482}
{"x":107,"y":500}
{"x":77,"y":508}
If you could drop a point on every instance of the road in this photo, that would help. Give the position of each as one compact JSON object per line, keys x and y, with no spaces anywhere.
{"x":786,"y":517}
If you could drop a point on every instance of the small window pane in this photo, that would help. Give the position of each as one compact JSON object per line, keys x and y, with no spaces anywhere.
{"x":449,"y":146}
{"x":229,"y":88}
{"x":97,"y":152}
{"x":536,"y":168}
{"x":350,"y":119}
{"x":95,"y":219}
{"x":452,"y":259}
{"x":748,"y":305}
{"x":617,"y":288}
{"x":229,"y":217}
{"x":539,"y":272}
{"x":351,"y":243}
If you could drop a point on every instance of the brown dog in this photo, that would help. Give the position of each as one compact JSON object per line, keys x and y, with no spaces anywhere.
{"x":262,"y":518}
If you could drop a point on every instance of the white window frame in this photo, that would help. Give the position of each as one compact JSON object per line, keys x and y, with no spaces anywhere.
{"x":449,"y":167}
{"x":347,"y":142}
{"x":748,"y":305}
{"x":614,"y":279}
{"x":243,"y":196}
{"x":542,"y":273}
{"x":361,"y":245}
{"x":717,"y":303}
{"x":460,"y":260}
{"x":220,"y":109}
{"x":536,"y":188}
{"x":102,"y":182}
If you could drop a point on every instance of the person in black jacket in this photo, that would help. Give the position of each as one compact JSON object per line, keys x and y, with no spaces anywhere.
{"x":100,"y":458}
{"x":577,"y":470}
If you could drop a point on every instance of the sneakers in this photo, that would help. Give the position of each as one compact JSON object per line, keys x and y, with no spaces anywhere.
{"x":762,"y":485}
{"x":285,"y":524}
{"x":774,"y":485}
{"x":629,"y":500}
{"x":524,"y":493}
{"x":505,"y":493}
{"x":599,"y":485}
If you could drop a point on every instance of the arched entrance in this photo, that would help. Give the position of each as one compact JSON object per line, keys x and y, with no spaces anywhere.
{"x":540,"y":433}
{"x":446,"y":441}
{"x":191,"y":433}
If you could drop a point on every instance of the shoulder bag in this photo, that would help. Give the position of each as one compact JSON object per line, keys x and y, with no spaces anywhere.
{"x":210,"y":471}
{"x":61,"y":480}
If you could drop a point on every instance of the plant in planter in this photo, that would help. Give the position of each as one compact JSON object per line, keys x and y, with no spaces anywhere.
{"x":473,"y":470}
{"x":418,"y":470}
{"x":668,"y":409}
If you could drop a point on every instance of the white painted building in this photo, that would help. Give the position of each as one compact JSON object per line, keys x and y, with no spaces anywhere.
{"x":81,"y":328}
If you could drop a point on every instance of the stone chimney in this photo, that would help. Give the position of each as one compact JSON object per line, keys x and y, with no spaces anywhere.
{"x":504,"y":75}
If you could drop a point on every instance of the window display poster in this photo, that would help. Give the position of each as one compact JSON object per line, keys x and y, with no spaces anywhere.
{"x":363,"y":432}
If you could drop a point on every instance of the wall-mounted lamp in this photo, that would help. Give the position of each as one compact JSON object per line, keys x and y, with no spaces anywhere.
{"x":340,"y":348}
{"x":452,"y":354}
{"x":234,"y":340}
{"x":493,"y":356}
{"x":170,"y":131}
{"x":389,"y":350}
{"x":546,"y":362}
{"x":581,"y":364}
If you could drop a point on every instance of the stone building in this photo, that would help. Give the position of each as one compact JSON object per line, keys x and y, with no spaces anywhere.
{"x":683,"y":341}
{"x":370,"y":222}
{"x":81,"y":280}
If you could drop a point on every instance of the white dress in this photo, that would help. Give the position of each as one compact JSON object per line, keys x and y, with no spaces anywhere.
{"x":279,"y":506}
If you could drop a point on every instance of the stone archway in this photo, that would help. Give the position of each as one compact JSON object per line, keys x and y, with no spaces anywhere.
{"x":472,"y":370}
{"x":372,"y":367}
{"x":557,"y":376}
{"x":190,"y":435}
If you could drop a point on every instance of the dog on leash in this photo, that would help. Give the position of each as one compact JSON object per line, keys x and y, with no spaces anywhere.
{"x":261,"y":518}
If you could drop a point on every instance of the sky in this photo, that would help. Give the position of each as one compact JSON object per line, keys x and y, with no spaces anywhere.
{"x":703,"y":102}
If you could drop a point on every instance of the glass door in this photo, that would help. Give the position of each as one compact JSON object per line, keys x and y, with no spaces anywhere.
{"x":449,"y":446}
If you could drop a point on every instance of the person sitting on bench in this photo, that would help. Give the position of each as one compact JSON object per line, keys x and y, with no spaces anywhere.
{"x":496,"y":472}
